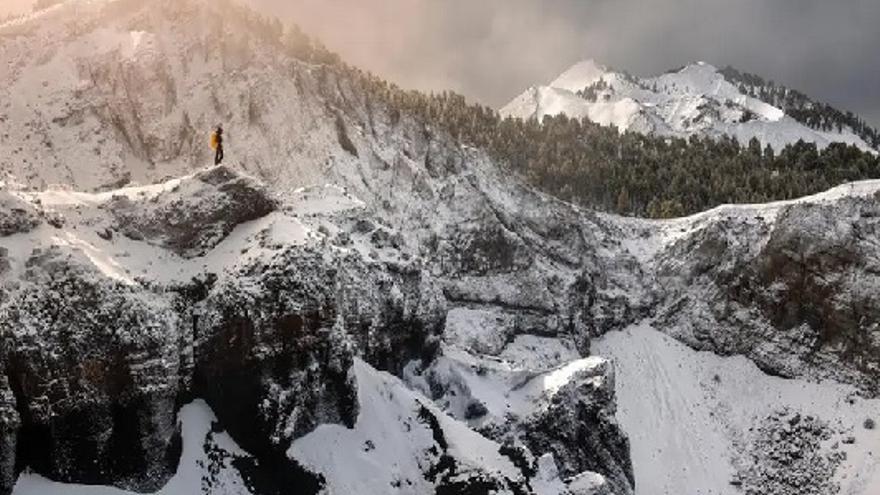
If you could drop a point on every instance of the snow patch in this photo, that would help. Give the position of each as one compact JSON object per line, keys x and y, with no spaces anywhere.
{"x":690,"y":415}
{"x":390,"y":448}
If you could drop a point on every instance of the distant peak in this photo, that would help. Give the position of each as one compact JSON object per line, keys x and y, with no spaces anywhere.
{"x":580,"y":75}
{"x":701,"y":66}
{"x":589,"y":64}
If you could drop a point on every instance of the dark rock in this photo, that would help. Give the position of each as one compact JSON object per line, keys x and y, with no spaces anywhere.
{"x":786,"y":455}
{"x":16,"y":215}
{"x":10,"y":424}
{"x":344,"y":139}
{"x":55,"y":220}
{"x":364,"y":226}
{"x":450,"y":479}
{"x":579,"y":429}
{"x":191,"y":224}
{"x":797,"y":306}
{"x":93,"y":367}
{"x":475,"y":409}
{"x":105,"y":234}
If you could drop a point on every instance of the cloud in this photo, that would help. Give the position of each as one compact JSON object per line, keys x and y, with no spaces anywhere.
{"x":15,"y":7}
{"x":491,"y":50}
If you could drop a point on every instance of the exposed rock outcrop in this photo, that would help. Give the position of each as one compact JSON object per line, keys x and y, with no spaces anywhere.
{"x":196,"y":214}
{"x":797,"y":293}
{"x":578,"y":427}
{"x":16,"y":215}
{"x":93,"y":365}
{"x":10,"y":423}
{"x":423,"y":258}
{"x":786,"y":457}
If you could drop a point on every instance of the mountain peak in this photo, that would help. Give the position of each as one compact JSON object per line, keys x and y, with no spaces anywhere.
{"x":699,"y":66}
{"x":580,"y":75}
{"x":695,"y":99}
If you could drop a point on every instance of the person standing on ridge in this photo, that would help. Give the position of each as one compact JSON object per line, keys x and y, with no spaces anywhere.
{"x":217,"y":145}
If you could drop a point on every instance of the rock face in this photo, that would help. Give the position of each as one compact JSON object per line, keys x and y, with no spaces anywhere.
{"x":93,"y":368}
{"x":787,"y":457}
{"x":196,"y":214}
{"x":579,"y":429}
{"x":274,"y":344}
{"x":98,"y":360}
{"x":530,"y":394}
{"x":9,"y":426}
{"x":796,"y":292}
{"x":420,"y":294}
{"x":16,"y":216}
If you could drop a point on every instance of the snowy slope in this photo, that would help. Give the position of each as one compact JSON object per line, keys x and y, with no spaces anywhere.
{"x":383,"y":237}
{"x":343,"y":239}
{"x":701,"y":423}
{"x":399,"y":439}
{"x":694,"y":100}
{"x":104,"y":93}
{"x":693,"y":416}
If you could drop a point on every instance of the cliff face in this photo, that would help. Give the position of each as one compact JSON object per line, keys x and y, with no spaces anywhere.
{"x":93,"y":367}
{"x":793,"y":287}
{"x":247,"y":288}
{"x":107,"y":331}
{"x":419,"y":308}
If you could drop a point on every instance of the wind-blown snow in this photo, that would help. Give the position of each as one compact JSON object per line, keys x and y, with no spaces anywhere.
{"x":579,"y":76}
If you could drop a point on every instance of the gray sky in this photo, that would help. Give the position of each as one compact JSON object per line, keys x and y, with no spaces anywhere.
{"x":491,"y":50}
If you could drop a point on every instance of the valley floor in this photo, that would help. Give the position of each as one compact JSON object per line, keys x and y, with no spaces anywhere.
{"x":695,"y":419}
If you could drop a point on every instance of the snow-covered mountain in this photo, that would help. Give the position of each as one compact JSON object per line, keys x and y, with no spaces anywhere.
{"x":697,"y":99}
{"x":356,"y":302}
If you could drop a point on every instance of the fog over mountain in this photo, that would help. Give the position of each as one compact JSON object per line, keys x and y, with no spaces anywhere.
{"x":492,"y":50}
{"x":385,"y":291}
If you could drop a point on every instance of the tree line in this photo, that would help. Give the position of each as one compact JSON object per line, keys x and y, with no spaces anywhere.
{"x":631,"y":173}
{"x":599,"y":167}
{"x":813,"y":114}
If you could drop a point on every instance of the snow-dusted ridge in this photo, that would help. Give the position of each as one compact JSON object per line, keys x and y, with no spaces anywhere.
{"x":696,"y":99}
{"x":517,"y":379}
{"x":657,"y":235}
{"x":451,"y":329}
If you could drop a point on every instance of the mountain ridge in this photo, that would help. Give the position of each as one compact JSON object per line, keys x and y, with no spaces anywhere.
{"x":362,"y":273}
{"x":695,"y":99}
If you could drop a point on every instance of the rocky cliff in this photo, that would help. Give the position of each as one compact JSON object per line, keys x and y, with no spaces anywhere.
{"x":360,"y":299}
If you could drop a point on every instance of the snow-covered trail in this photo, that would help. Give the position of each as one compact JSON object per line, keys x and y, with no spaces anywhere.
{"x":687,"y":412}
